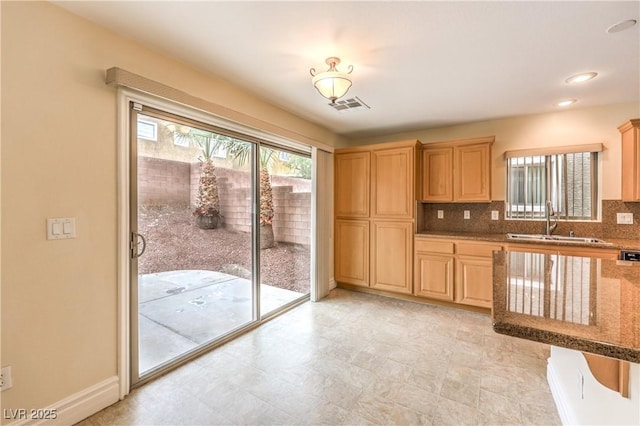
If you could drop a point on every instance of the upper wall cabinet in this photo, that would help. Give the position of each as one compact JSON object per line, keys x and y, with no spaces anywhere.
{"x":457,"y":171}
{"x":352,"y":176}
{"x":376,"y":181}
{"x":393,"y":182}
{"x":630,"y":160}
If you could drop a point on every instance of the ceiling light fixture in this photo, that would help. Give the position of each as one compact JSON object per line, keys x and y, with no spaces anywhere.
{"x":566,"y":102}
{"x":332,"y":84}
{"x":580,"y":78}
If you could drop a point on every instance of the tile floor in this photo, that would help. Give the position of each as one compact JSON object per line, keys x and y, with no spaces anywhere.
{"x":354,"y":359}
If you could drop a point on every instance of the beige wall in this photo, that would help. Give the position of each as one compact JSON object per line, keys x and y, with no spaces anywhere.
{"x":570,"y":127}
{"x":59,"y":160}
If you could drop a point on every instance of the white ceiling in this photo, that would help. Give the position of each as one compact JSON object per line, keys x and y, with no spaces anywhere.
{"x":416,"y":64}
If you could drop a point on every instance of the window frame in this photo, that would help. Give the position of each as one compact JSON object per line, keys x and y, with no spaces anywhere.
{"x":554,"y":170}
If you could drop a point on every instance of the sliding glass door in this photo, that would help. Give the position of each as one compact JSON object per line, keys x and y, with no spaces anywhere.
{"x":220,"y":236}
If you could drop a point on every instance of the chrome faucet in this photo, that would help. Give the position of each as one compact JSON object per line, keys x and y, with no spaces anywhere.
{"x":550,"y":212}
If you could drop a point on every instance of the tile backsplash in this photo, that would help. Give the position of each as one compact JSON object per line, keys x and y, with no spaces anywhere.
{"x":480,"y":220}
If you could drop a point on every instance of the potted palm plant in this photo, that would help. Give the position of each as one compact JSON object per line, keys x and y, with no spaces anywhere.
{"x":207,"y":209}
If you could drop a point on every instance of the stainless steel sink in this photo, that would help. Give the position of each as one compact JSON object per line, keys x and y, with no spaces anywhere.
{"x":555,"y":238}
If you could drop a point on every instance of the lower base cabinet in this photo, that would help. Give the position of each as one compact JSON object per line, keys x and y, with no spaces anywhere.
{"x":455,"y":271}
{"x":474,"y":281}
{"x":375,"y":254}
{"x":434,"y":276}
{"x":352,"y":252}
{"x":391,"y":252}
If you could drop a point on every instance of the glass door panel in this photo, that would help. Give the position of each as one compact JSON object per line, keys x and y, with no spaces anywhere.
{"x":285,"y":228}
{"x":192,"y":200}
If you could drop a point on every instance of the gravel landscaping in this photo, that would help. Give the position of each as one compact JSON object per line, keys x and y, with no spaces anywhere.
{"x":174,"y":242}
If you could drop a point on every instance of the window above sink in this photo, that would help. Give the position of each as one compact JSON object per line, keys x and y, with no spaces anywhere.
{"x":566,"y":177}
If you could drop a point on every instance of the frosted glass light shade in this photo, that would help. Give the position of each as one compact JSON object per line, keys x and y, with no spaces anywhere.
{"x":332,"y":84}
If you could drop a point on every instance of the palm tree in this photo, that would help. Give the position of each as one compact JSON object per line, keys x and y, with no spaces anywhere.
{"x":241,"y":152}
{"x":207,"y":210}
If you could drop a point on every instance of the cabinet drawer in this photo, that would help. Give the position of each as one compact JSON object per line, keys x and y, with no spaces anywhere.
{"x":433,"y":246}
{"x":478,"y":250}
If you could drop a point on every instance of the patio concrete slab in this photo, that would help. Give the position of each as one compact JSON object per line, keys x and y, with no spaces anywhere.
{"x":180,"y":310}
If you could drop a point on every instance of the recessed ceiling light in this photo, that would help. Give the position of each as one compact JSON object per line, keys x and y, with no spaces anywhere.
{"x":580,"y":78}
{"x":566,"y":102}
{"x":621,"y":26}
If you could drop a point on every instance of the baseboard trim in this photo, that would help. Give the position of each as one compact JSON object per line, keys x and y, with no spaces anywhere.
{"x":332,"y":284}
{"x":558,"y":396}
{"x":80,"y":405}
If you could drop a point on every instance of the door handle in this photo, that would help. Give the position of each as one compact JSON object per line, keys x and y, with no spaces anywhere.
{"x":135,"y":244}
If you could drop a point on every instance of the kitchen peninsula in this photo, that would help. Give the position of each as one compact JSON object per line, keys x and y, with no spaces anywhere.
{"x":581,"y":306}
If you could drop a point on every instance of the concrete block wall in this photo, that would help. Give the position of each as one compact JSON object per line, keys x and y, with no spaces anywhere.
{"x":292,"y":216}
{"x":174,"y":182}
{"x":162,"y":182}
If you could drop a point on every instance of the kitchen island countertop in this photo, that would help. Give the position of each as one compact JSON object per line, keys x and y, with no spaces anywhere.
{"x":582,"y":303}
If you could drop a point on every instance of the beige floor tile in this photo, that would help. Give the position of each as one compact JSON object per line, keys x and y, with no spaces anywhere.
{"x":454,"y":413}
{"x":494,"y":409}
{"x":353,"y":359}
{"x":467,"y":392}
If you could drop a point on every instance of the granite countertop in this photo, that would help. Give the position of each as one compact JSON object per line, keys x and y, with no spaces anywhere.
{"x":587,"y":304}
{"x":612,"y":243}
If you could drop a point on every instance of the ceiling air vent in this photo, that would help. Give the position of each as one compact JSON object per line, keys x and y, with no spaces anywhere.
{"x":350,"y":104}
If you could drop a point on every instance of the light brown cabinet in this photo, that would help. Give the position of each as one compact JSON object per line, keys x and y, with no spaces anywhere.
{"x":472,"y":173}
{"x":437,"y":174}
{"x":455,"y":271}
{"x":392,"y":183}
{"x":474,"y":273}
{"x":433,"y":276}
{"x":352,"y":177}
{"x":375,"y":210}
{"x":352,"y":252}
{"x":456,"y":171}
{"x":630,"y":132}
{"x":391,"y":255}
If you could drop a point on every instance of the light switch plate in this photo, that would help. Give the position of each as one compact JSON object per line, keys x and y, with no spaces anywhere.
{"x":467,"y":214}
{"x":440,"y":214}
{"x":624,"y":218}
{"x":495,"y":215}
{"x":61,"y":228}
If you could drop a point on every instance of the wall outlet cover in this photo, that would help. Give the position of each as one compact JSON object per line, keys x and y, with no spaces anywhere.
{"x":495,"y":215}
{"x":5,"y":378}
{"x":467,"y":214}
{"x":440,"y":214}
{"x":624,"y":218}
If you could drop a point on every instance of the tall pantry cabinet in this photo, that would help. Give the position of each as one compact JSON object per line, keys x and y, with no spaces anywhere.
{"x":375,"y":215}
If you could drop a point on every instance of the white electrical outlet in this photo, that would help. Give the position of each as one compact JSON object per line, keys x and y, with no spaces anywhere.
{"x":5,"y":378}
{"x":467,"y":214}
{"x":624,"y":218}
{"x":440,"y":214}
{"x":495,"y":215}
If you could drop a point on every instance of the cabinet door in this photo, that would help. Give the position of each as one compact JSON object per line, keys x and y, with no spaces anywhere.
{"x":630,"y":132}
{"x":472,"y":173}
{"x":437,"y":174}
{"x":474,"y":281}
{"x":391,"y":256}
{"x":433,"y":276}
{"x":392,"y":183}
{"x":352,"y":252}
{"x":352,"y":176}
